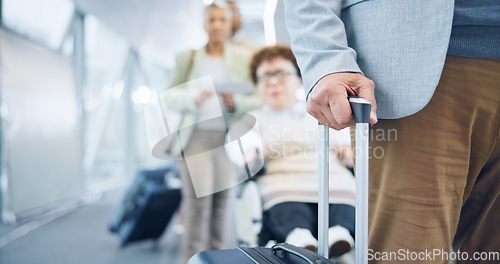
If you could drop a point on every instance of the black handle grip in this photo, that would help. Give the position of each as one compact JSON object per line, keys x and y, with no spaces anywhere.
{"x":308,"y":256}
{"x":360,"y":109}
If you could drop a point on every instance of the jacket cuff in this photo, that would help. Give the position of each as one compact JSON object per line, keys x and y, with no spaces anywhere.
{"x":325,"y":64}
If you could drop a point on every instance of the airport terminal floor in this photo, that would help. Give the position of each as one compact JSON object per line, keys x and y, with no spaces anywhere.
{"x":80,"y":236}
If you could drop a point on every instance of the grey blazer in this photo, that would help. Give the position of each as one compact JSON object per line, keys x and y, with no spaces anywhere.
{"x":399,"y":44}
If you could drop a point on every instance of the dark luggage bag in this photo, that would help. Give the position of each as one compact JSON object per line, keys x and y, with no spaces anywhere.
{"x":147,"y":206}
{"x":279,"y":254}
{"x":288,"y":254}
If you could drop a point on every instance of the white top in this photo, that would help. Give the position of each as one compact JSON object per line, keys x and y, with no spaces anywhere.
{"x":337,"y":138}
{"x":290,"y":139}
{"x":213,"y":106}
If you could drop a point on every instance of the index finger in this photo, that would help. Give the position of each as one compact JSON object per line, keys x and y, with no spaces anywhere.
{"x":341,"y":110}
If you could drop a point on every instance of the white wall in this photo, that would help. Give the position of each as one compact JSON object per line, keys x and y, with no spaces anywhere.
{"x":41,"y":127}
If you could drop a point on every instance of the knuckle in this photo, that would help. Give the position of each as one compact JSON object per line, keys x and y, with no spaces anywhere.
{"x":322,"y":93}
{"x":336,"y":126}
{"x":312,"y":98}
{"x":326,"y":91}
{"x":370,"y":83}
{"x":309,"y":107}
{"x":313,"y":110}
{"x":343,"y":120}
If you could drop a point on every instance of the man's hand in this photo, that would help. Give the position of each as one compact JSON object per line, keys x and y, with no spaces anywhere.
{"x":328,"y":101}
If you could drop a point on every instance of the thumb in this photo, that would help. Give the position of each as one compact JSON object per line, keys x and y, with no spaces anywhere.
{"x":367,"y":91}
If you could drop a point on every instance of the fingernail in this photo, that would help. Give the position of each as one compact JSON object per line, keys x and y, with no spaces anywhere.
{"x":373,"y":116}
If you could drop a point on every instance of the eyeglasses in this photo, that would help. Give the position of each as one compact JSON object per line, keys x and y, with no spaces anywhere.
{"x":280,"y":76}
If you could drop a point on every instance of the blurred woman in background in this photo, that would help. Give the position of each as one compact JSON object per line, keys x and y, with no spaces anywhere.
{"x":204,"y":211}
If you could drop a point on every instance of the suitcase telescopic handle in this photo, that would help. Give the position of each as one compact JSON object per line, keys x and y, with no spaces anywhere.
{"x":361,"y":110}
{"x":323,"y":190}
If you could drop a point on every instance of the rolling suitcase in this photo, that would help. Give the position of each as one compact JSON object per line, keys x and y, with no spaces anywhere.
{"x":283,"y":253}
{"x":148,"y":206}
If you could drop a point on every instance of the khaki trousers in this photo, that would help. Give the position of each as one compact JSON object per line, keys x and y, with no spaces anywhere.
{"x":204,"y":217}
{"x":435,"y":175}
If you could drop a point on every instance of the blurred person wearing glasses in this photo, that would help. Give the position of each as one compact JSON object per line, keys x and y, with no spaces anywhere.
{"x":289,"y":136}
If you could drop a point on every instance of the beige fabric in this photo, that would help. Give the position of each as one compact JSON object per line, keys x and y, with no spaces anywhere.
{"x":438,"y":183}
{"x":204,"y":217}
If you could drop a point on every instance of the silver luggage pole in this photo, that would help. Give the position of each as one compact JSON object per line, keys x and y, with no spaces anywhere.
{"x":361,"y":111}
{"x":323,"y":199}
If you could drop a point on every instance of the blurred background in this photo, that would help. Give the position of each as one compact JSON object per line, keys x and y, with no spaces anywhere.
{"x":75,"y":76}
